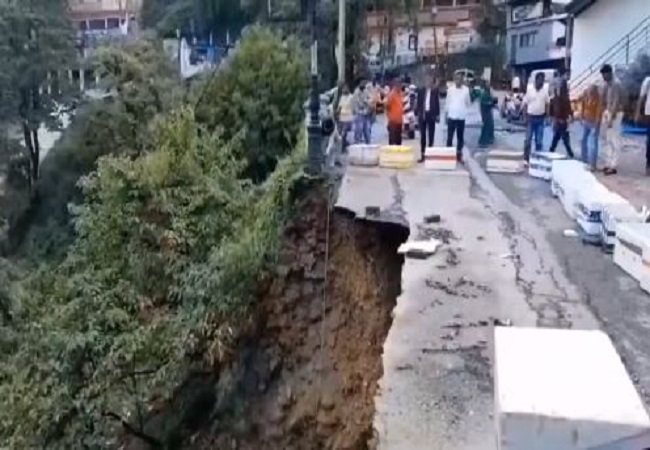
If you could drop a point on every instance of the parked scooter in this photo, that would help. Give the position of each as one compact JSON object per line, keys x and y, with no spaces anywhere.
{"x":513,"y":107}
{"x":410,"y":121}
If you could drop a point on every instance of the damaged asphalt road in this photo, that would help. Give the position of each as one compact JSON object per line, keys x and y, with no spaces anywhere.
{"x":503,"y":261}
{"x":494,"y":267}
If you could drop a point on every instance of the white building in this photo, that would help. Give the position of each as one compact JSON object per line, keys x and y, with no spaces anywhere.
{"x":606,"y":32}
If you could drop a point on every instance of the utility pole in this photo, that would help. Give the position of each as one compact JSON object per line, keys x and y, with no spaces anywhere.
{"x":314,"y":132}
{"x":341,"y":55}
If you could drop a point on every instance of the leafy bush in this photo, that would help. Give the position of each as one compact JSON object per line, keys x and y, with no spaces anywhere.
{"x":169,"y":246}
{"x":259,"y":94}
{"x":167,"y":241}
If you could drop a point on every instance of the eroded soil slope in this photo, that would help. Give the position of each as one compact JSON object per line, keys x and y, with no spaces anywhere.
{"x":312,"y":369}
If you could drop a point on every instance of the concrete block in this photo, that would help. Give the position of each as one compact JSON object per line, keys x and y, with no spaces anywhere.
{"x":612,"y":215}
{"x":363,"y":155}
{"x":500,"y":161}
{"x":645,"y":265}
{"x":628,"y":250}
{"x":541,"y":163}
{"x":562,"y":390}
{"x":440,"y":158}
{"x":396,"y":157}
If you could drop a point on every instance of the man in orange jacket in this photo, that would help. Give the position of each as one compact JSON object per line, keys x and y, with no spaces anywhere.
{"x":395,"y":113}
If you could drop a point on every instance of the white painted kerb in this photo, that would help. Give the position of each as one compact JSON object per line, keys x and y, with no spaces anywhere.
{"x":562,"y":390}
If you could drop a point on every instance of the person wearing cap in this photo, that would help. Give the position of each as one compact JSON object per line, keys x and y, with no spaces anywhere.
{"x":611,"y":94}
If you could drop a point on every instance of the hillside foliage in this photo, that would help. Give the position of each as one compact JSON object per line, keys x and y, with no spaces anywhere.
{"x":169,"y":236}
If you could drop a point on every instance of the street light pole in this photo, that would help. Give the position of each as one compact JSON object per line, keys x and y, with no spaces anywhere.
{"x":314,"y":132}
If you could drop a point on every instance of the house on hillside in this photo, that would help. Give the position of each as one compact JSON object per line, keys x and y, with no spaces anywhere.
{"x":438,"y":27}
{"x":606,"y":31}
{"x":536,"y":35}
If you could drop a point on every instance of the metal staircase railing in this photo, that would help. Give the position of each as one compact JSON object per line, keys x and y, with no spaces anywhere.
{"x":622,"y":53}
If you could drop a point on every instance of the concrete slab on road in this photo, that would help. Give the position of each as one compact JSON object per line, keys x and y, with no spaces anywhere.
{"x":436,"y":391}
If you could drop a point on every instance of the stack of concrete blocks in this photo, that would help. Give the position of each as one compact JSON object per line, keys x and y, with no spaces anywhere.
{"x":440,"y":158}
{"x":363,"y":155}
{"x":612,"y":215}
{"x":541,"y":163}
{"x":564,"y":390}
{"x":631,"y":238}
{"x":500,"y":161}
{"x":396,"y":157}
{"x":590,"y":203}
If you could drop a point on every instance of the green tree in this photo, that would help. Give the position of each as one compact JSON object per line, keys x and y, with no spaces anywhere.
{"x":143,"y":84}
{"x":37,"y":41}
{"x":260,"y":93}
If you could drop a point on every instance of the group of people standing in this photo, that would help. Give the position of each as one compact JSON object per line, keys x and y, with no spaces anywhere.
{"x":600,"y":113}
{"x":357,"y":112}
{"x":459,"y":99}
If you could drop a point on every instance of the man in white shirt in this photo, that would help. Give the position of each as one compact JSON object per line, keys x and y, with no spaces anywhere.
{"x":458,"y":103}
{"x":644,"y":106}
{"x":536,"y":104}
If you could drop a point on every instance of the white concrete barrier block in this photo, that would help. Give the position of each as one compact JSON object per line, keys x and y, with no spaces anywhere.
{"x":541,"y":163}
{"x":628,"y":249}
{"x":440,"y":158}
{"x":645,"y":266}
{"x":363,"y":155}
{"x":500,"y":161}
{"x":562,"y":390}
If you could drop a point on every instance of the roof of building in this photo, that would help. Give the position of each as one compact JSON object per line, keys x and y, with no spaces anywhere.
{"x":577,"y":7}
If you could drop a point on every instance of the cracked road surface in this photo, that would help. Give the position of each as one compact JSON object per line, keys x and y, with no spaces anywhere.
{"x":504,"y":260}
{"x":495,"y":266}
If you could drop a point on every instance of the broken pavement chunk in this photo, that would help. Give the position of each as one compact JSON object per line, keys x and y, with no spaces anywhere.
{"x":419,"y":249}
{"x":433,"y":218}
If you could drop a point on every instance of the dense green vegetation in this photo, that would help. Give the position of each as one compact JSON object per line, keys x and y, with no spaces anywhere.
{"x":165,"y":217}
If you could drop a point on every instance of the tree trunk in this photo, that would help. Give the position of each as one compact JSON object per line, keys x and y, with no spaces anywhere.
{"x":27,"y":136}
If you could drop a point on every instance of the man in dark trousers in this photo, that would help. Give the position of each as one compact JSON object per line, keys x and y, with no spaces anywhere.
{"x":428,"y":112}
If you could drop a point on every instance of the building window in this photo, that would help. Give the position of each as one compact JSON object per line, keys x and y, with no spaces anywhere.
{"x":112,"y":23}
{"x":445,"y":3}
{"x":527,"y":39}
{"x":97,"y":24}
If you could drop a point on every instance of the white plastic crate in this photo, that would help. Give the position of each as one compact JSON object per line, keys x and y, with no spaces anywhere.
{"x":541,"y":163}
{"x":628,"y":250}
{"x":562,"y":390}
{"x":500,"y":161}
{"x":363,"y":155}
{"x":440,"y":158}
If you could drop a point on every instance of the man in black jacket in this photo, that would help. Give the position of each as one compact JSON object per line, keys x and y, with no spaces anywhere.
{"x":428,"y":112}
